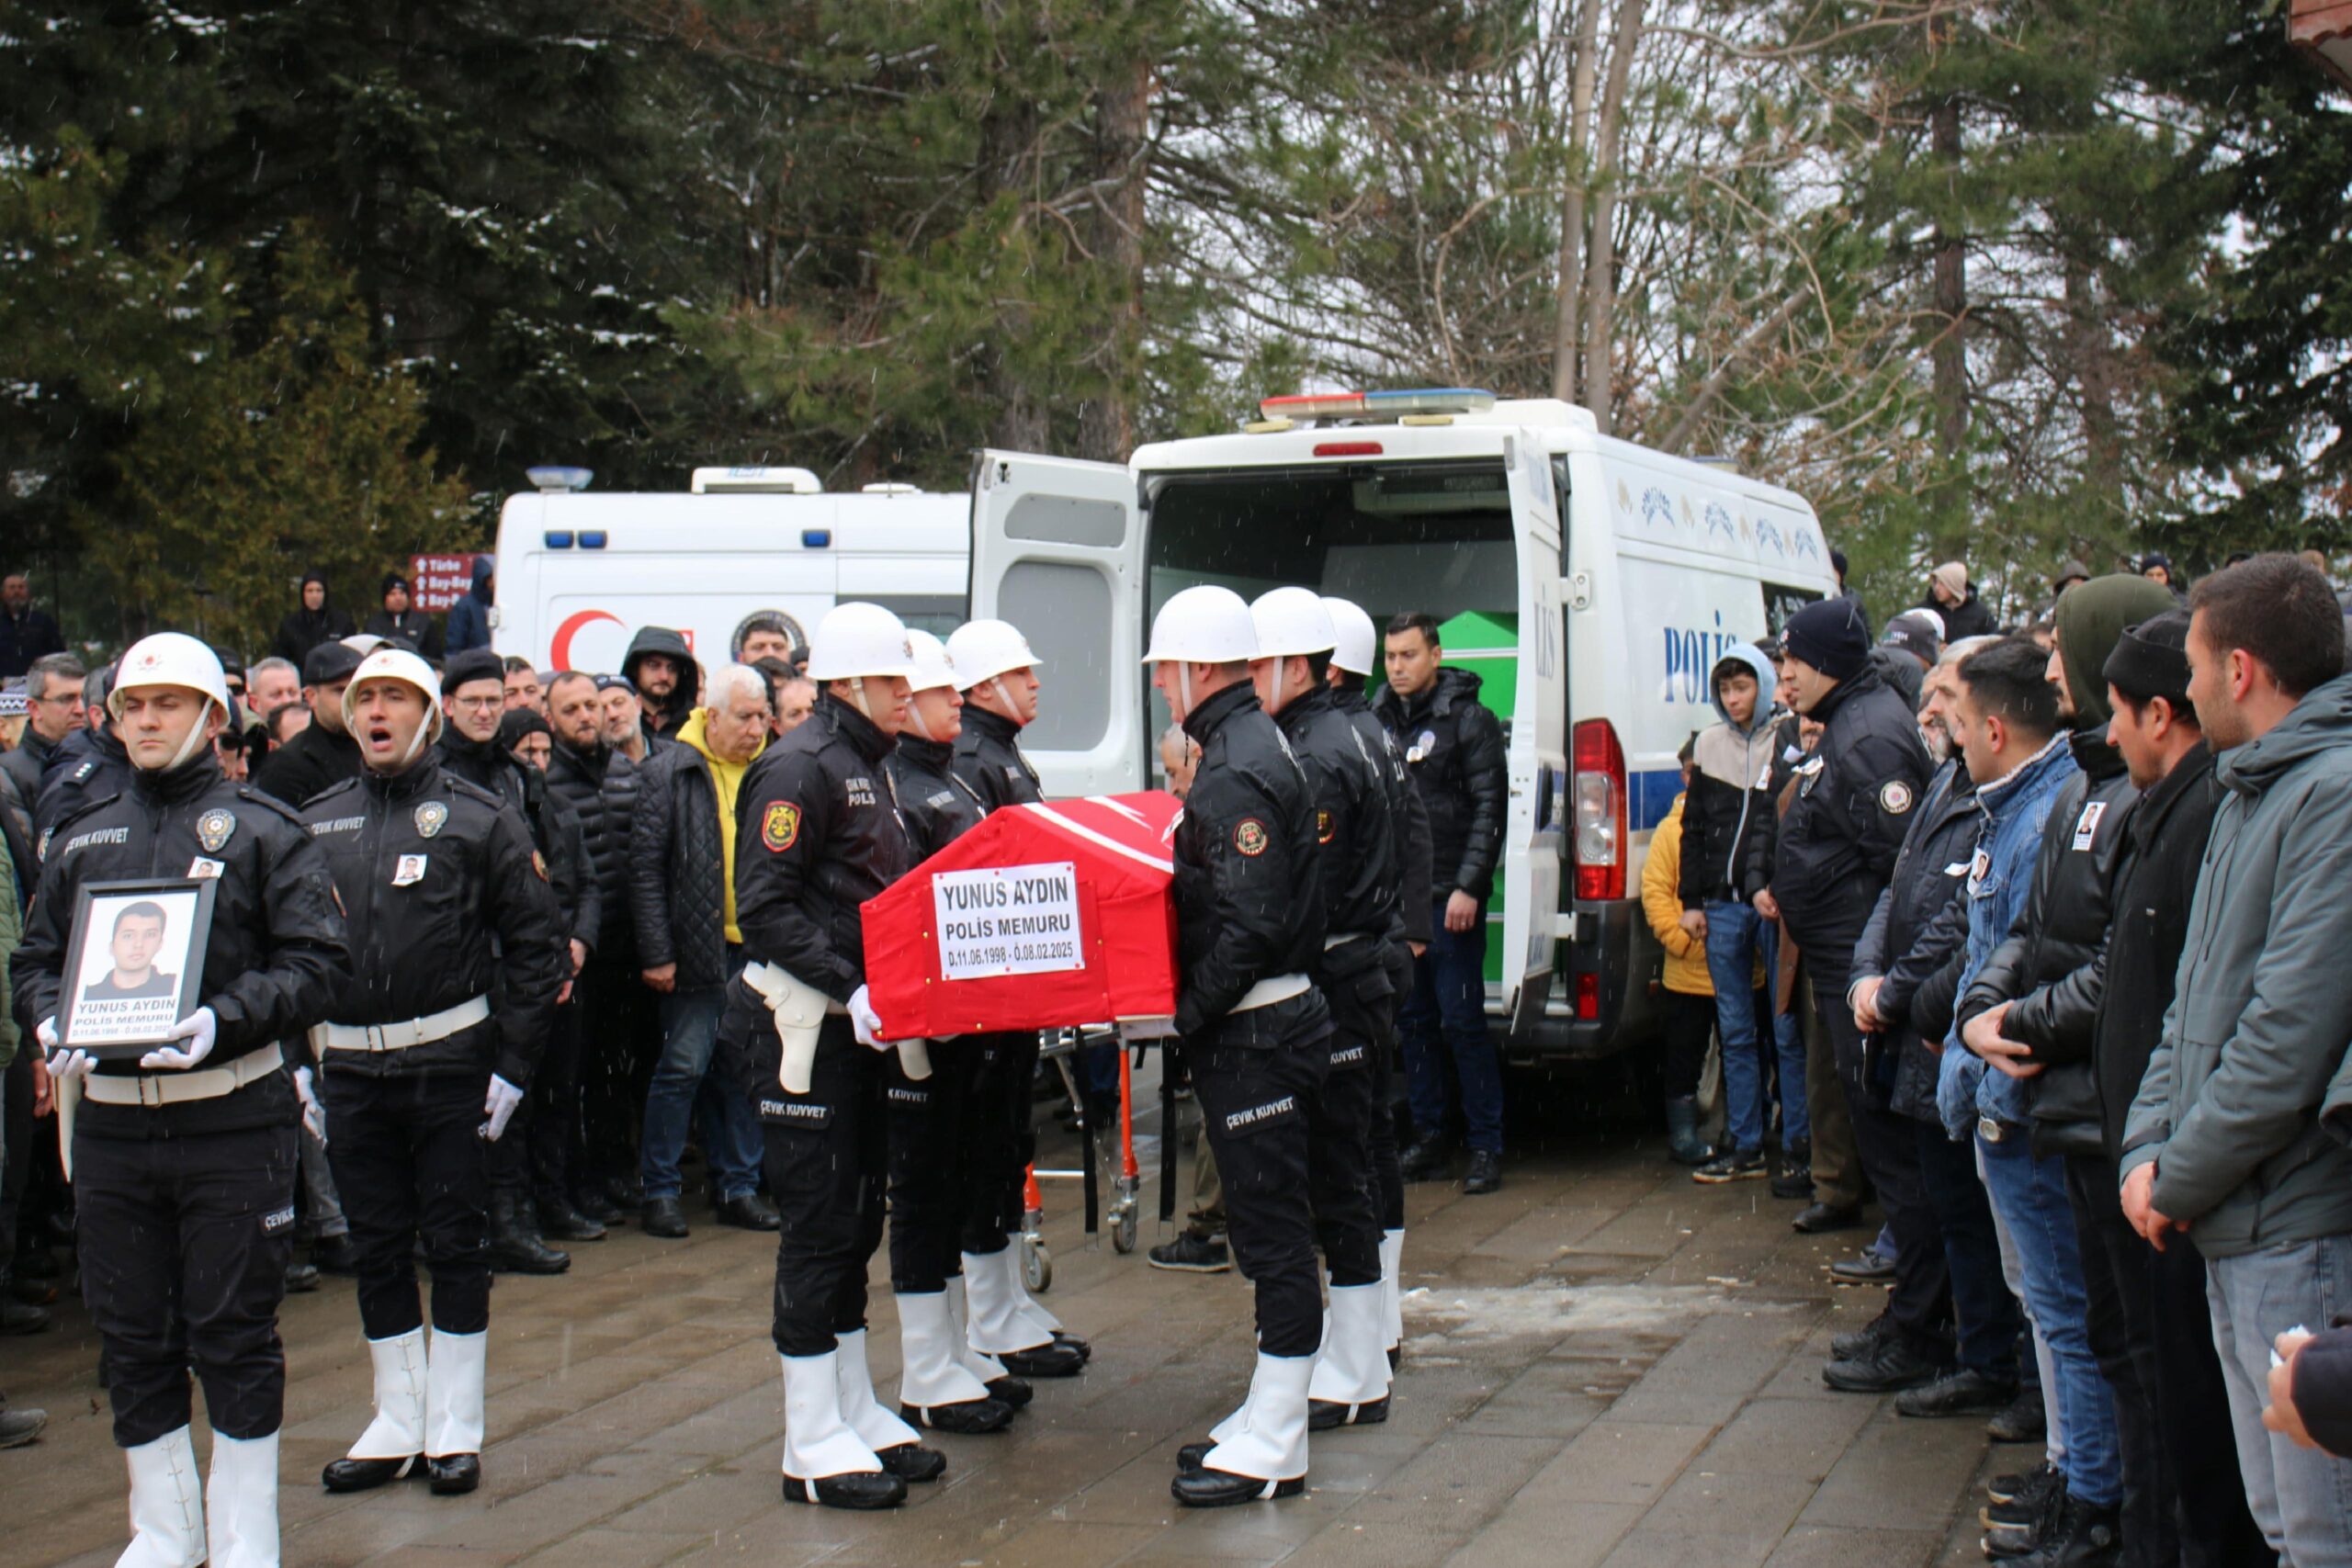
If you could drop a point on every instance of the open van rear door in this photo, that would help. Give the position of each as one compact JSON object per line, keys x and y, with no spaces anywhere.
{"x":1058,"y":550}
{"x":1534,"y":836}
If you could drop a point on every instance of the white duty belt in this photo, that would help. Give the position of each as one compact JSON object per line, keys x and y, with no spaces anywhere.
{"x":1267,"y":992}
{"x":173,"y":1088}
{"x":401,"y":1036}
{"x":799,"y":1009}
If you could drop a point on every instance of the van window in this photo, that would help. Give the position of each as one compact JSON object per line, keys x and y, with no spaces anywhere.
{"x":1061,"y":609}
{"x":1430,"y":537}
{"x":937,"y":614}
{"x":1781,"y":601}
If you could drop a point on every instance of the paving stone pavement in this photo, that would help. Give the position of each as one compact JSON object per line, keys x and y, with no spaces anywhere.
{"x":1606,"y":1366}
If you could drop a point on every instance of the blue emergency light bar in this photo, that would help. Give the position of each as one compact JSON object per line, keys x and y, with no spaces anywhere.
{"x":1378,"y":405}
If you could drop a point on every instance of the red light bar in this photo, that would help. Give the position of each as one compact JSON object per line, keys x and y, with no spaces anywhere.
{"x":1347,"y":448}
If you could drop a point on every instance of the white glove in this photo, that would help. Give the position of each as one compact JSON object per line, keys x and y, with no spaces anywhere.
{"x":500,"y":1107}
{"x":314,"y":1113}
{"x":63,"y":1065}
{"x":199,"y":1029}
{"x":866,"y":1023}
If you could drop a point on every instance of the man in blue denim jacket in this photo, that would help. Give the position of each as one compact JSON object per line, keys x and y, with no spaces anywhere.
{"x":2007,"y":723}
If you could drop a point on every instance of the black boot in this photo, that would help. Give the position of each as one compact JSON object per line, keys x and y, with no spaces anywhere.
{"x":1221,"y":1489}
{"x":514,"y":1243}
{"x":1054,"y":1359}
{"x":866,"y":1489}
{"x":1010,"y":1391}
{"x":1895,"y":1366}
{"x":564,"y":1222}
{"x":913,"y":1461}
{"x":365,"y":1474}
{"x":1966,"y":1391}
{"x":453,"y":1474}
{"x":969,"y":1418}
{"x":1425,"y":1159}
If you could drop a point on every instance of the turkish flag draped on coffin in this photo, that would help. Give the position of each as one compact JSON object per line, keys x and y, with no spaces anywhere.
{"x":1046,"y":916}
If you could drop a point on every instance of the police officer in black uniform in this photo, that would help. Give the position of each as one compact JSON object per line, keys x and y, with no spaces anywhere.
{"x":999,"y":674}
{"x":1356,"y":656}
{"x":819,"y":834}
{"x":427,"y":1056}
{"x":1357,"y":844}
{"x":472,"y":747}
{"x":1255,"y":1032}
{"x":943,"y":1382}
{"x":183,"y":1158}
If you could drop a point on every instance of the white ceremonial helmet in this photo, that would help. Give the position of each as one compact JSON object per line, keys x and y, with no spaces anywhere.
{"x":1207,"y":625}
{"x":984,"y":650}
{"x":1292,"y":620}
{"x":934,"y":665}
{"x":1357,"y":645}
{"x":859,"y":639}
{"x":173,"y":658}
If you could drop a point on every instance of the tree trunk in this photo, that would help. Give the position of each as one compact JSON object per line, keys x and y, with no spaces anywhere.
{"x":2088,"y":348}
{"x":1600,"y":271}
{"x":1565,"y":327}
{"x":1951,"y":357}
{"x":1009,"y":134}
{"x":1121,"y":122}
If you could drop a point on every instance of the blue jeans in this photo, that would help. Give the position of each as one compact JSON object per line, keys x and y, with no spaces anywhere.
{"x":1444,"y":1024}
{"x":1736,"y":936}
{"x":2031,"y":1197}
{"x":2301,"y":1498}
{"x":689,"y":1040}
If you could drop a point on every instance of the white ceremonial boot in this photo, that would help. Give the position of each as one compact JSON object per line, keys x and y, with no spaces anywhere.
{"x":392,"y":1446}
{"x":240,"y":1502}
{"x":167,"y":1505}
{"x":1350,"y":1383}
{"x":824,"y":1462}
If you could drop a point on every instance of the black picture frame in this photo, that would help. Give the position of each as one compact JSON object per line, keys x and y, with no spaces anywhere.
{"x":111,"y":1028}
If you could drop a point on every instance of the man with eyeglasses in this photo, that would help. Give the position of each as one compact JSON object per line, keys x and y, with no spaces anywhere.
{"x":52,"y":712}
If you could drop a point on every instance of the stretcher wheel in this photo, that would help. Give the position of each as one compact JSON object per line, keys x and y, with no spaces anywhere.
{"x":1122,"y":1227}
{"x":1036,"y":1265}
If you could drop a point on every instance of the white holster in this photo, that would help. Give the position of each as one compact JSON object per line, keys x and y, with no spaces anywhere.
{"x":799,"y":1009}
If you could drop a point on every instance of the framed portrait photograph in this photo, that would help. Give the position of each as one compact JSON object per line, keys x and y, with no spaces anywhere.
{"x":135,"y":964}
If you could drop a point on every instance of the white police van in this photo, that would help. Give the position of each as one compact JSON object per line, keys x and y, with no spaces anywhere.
{"x":580,"y":572}
{"x":1619,"y":572}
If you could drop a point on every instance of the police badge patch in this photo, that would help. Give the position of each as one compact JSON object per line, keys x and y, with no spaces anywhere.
{"x":1894,"y":798}
{"x":780,"y":828}
{"x":1249,"y":838}
{"x":214,"y":828}
{"x":430,"y":815}
{"x":1323,"y":827}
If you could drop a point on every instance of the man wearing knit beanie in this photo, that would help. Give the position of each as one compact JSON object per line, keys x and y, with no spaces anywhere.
{"x":1831,"y":858}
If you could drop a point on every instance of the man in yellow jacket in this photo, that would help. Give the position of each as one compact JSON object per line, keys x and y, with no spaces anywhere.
{"x":1689,"y":1011}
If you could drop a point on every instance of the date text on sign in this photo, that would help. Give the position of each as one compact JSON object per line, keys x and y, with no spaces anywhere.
{"x":1011,"y":919}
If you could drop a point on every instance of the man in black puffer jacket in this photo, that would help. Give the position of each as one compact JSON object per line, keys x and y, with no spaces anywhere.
{"x":1906,"y":970}
{"x":1452,"y":748}
{"x":2033,"y":1009}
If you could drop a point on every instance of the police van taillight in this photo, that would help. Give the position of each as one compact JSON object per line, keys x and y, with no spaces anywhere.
{"x":1598,"y":796}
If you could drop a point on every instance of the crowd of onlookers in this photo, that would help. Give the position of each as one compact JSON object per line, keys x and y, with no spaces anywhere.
{"x":2034,"y":935}
{"x":2025,"y":933}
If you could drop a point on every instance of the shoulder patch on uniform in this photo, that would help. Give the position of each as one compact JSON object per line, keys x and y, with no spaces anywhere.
{"x":539,"y":864}
{"x":780,"y":828}
{"x":1323,"y":825}
{"x":1894,"y":798}
{"x":1249,"y":836}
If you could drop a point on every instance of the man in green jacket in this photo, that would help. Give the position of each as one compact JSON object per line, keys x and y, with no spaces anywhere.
{"x":2235,"y":1136}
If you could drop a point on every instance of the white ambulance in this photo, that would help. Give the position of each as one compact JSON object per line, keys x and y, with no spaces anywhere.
{"x":579,"y":573}
{"x":1619,"y":573}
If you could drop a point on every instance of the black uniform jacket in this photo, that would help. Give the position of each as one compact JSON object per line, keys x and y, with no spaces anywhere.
{"x":276,"y":954}
{"x":87,"y":765}
{"x":1248,"y":879}
{"x":818,"y":833}
{"x":1415,"y":906}
{"x":430,"y":870}
{"x":2046,"y":967}
{"x":1354,"y":834}
{"x":1453,"y":746}
{"x":1833,"y":853}
{"x":987,"y":758}
{"x":937,"y":807}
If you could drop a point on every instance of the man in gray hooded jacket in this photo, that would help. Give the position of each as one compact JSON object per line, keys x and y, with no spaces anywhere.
{"x":1729,"y":801}
{"x":2238,"y":1135}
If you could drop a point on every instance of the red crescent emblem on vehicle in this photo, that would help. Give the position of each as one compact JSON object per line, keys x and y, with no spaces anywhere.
{"x":559,"y":652}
